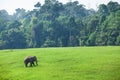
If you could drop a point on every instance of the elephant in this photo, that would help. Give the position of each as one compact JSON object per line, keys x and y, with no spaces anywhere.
{"x":30,"y":60}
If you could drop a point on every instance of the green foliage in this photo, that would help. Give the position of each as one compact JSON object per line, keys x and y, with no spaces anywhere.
{"x":113,"y":6}
{"x":38,"y":5}
{"x":49,"y":43}
{"x":54,"y":24}
{"x":118,"y":40}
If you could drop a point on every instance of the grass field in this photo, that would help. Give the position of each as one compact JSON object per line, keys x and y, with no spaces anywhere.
{"x":73,"y":63}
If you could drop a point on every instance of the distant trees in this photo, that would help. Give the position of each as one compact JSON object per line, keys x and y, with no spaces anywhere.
{"x":54,"y":24}
{"x":13,"y":38}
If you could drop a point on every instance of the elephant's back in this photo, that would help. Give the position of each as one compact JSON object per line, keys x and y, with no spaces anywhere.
{"x":27,"y":58}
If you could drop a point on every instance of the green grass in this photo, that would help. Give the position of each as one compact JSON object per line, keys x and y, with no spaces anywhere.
{"x":73,"y":63}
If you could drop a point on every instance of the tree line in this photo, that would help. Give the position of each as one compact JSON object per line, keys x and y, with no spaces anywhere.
{"x":54,"y":24}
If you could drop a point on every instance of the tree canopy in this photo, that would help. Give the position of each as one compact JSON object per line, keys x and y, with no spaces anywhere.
{"x":54,"y":24}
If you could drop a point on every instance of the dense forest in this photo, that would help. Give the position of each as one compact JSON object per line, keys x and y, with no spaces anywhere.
{"x":55,"y":24}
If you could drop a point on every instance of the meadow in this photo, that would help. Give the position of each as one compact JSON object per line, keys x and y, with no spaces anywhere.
{"x":71,"y":63}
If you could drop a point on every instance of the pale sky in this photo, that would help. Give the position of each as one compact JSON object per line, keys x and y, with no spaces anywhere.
{"x":11,"y":5}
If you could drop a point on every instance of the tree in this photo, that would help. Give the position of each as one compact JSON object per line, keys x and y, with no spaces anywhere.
{"x":92,"y":25}
{"x":13,"y":38}
{"x":38,"y":5}
{"x":118,"y":41}
{"x":38,"y":37}
{"x":54,"y":24}
{"x":49,"y":43}
{"x":103,"y":9}
{"x":113,"y":6}
{"x":20,"y":14}
{"x":73,"y":32}
{"x":15,"y":24}
{"x":91,"y":39}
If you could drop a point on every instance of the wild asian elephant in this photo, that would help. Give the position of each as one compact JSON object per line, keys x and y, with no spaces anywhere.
{"x":30,"y":60}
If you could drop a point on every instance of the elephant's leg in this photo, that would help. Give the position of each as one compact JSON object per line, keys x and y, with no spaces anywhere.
{"x":33,"y":63}
{"x":36,"y":62}
{"x":26,"y":63}
{"x":30,"y":64}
